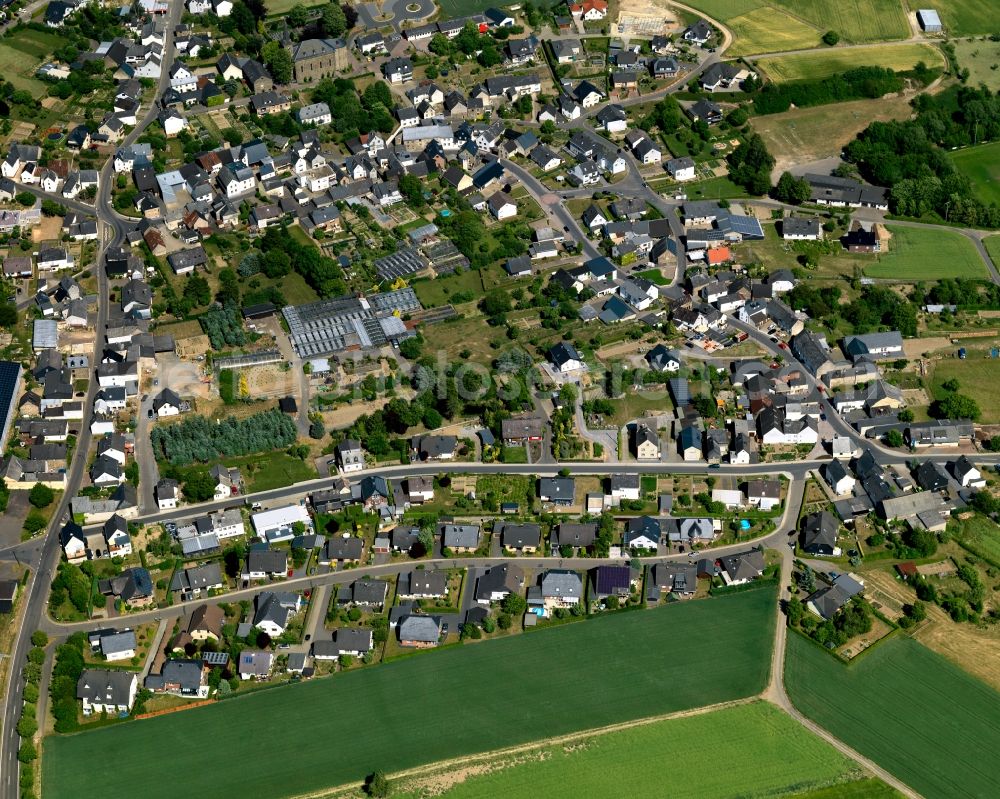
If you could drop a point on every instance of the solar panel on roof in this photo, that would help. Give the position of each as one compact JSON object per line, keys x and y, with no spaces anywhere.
{"x":680,"y":390}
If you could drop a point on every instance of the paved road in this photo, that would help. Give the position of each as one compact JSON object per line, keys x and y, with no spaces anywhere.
{"x":559,"y":216}
{"x":776,"y":540}
{"x":46,"y":550}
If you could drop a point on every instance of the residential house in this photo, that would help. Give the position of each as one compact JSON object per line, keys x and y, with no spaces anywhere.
{"x":104,"y":691}
{"x":819,"y":534}
{"x":607,"y":581}
{"x":647,"y":443}
{"x":642,"y":532}
{"x":421,"y":632}
{"x":460,"y":538}
{"x":520,"y":537}
{"x":273,"y":610}
{"x":498,"y":582}
{"x":255,"y":664}
{"x":557,"y":490}
{"x":742,"y":567}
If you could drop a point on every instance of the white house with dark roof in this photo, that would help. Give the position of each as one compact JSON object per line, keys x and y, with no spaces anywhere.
{"x":104,"y":691}
{"x":565,"y":358}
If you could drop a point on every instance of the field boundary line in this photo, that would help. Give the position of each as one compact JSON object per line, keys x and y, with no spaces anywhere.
{"x":541,"y":743}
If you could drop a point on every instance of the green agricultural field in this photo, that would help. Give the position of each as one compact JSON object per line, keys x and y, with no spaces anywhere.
{"x":925,"y":254}
{"x":860,"y":789}
{"x":433,"y":706}
{"x":778,"y":759}
{"x":992,"y":245}
{"x":978,"y":377}
{"x":824,"y":63}
{"x":854,"y":20}
{"x":22,"y":53}
{"x":36,"y":43}
{"x":911,"y":711}
{"x":964,"y":17}
{"x":770,"y":30}
{"x":982,"y":166}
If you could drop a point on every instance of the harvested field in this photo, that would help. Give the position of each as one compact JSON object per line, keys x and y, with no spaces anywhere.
{"x":804,"y":135}
{"x":770,"y":30}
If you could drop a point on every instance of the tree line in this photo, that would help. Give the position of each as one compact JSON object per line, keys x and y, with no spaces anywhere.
{"x":855,"y":84}
{"x":910,"y":156}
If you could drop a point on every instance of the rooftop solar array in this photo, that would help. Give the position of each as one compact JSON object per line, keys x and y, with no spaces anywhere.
{"x":680,"y":389}
{"x":10,"y":375}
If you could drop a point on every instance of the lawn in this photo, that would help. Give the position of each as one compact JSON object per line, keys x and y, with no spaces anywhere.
{"x":965,"y":17}
{"x":777,"y":759}
{"x":472,"y":336}
{"x":434,"y":706}
{"x":634,"y":405}
{"x":272,"y":470}
{"x":977,"y":376}
{"x":770,"y":30}
{"x":654,"y":276}
{"x":442,"y":290}
{"x":925,"y":254}
{"x":293,"y":287}
{"x":714,"y":189}
{"x":462,"y":8}
{"x":908,"y":709}
{"x":980,"y":535}
{"x":277,"y":8}
{"x":21,"y":71}
{"x":854,"y":20}
{"x":982,"y":166}
{"x":823,"y":63}
{"x":979,"y":57}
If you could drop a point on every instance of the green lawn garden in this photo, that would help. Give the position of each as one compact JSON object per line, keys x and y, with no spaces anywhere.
{"x":911,"y":711}
{"x":433,"y":706}
{"x":982,"y":166}
{"x":776,"y":758}
{"x":980,"y":535}
{"x":927,"y":254}
{"x":977,"y":376}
